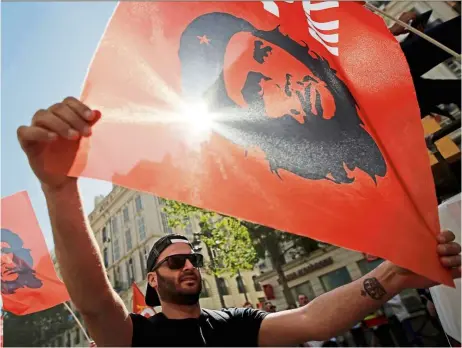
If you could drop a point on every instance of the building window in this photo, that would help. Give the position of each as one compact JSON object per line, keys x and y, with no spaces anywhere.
{"x":77,"y":337}
{"x":256,"y":284}
{"x":128,"y":240}
{"x":166,"y":227}
{"x":115,"y":226}
{"x":303,"y":289}
{"x":366,"y":266}
{"x":335,"y":279}
{"x":116,"y":247}
{"x":147,"y":249}
{"x":106,"y":257}
{"x":205,"y":289}
{"x":126,"y":216}
{"x":141,"y":228}
{"x":105,"y":238}
{"x":130,"y":271}
{"x":138,"y":204}
{"x":117,"y":275}
{"x":160,"y":201}
{"x":240,"y":285}
{"x":143,"y":265}
{"x":222,"y":287}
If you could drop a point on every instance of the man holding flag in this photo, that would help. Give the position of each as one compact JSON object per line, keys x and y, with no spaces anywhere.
{"x":174,"y":280}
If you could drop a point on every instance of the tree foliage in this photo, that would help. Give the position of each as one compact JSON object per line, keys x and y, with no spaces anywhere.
{"x":36,"y":329}
{"x":239,"y":244}
{"x":227,"y":237}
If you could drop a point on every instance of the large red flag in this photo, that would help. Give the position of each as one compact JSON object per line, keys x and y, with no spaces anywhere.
{"x":139,"y":303}
{"x":29,"y":281}
{"x":301,"y":116}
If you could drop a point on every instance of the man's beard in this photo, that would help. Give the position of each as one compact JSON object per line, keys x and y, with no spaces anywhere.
{"x":168,"y":292}
{"x":317,"y":149}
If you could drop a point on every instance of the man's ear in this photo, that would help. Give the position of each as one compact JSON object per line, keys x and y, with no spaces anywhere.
{"x":152,"y":279}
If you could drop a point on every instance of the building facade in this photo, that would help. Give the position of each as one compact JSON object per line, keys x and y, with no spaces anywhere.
{"x":312,"y":275}
{"x":126,"y":224}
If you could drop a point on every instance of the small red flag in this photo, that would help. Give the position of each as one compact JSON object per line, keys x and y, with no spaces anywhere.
{"x":298,"y":115}
{"x":1,"y":329}
{"x":139,"y":304}
{"x":29,"y":280}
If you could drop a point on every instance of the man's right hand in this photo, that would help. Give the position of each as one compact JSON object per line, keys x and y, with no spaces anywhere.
{"x":69,"y":120}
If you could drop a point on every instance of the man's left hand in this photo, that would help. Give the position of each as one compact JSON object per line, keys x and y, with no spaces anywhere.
{"x":449,"y":253}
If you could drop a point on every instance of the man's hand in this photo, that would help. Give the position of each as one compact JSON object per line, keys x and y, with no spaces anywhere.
{"x":406,"y":17}
{"x":449,"y":252}
{"x":69,"y":120}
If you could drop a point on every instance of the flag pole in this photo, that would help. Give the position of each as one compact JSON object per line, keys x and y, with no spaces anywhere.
{"x":78,"y":321}
{"x":415,"y":31}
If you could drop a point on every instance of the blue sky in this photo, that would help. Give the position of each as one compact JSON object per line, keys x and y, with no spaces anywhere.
{"x":46,"y":50}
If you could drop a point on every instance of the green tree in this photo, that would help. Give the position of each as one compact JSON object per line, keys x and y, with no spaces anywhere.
{"x":236,"y":242}
{"x":36,"y":329}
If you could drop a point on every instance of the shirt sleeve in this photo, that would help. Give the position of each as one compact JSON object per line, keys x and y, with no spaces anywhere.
{"x":247,"y":322}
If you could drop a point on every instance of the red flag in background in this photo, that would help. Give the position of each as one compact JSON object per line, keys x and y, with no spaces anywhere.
{"x":139,"y":304}
{"x":301,"y":116}
{"x":1,"y":329}
{"x":29,"y":280}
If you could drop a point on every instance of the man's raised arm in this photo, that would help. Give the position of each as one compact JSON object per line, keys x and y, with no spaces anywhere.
{"x":337,"y":311}
{"x":77,"y":252}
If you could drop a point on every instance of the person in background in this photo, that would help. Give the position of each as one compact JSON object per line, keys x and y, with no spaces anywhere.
{"x":422,"y":56}
{"x":302,"y":300}
{"x":247,"y":305}
{"x":404,"y":317}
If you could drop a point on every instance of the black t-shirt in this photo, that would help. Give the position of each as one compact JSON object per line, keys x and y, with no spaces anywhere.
{"x":236,"y":327}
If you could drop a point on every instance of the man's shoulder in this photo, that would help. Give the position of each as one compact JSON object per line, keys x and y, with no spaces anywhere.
{"x":139,"y":319}
{"x":234,"y":312}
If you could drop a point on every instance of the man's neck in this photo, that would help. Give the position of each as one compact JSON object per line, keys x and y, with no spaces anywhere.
{"x":176,"y":311}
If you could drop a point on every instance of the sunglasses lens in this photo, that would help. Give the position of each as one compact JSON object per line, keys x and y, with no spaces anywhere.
{"x":197,"y":260}
{"x":176,"y":261}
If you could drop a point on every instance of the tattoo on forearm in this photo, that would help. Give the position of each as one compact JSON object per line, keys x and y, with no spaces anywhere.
{"x":373,"y":288}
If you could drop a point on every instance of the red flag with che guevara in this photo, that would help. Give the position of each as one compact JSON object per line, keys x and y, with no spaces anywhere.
{"x":29,"y":280}
{"x":297,"y":115}
{"x":139,"y":303}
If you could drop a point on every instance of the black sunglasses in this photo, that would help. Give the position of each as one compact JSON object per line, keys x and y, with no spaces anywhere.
{"x":179,"y":260}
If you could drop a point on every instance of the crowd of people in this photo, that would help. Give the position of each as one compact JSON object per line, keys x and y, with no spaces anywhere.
{"x":395,"y":328}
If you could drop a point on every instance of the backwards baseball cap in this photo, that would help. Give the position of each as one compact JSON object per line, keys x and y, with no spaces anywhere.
{"x":152,"y":298}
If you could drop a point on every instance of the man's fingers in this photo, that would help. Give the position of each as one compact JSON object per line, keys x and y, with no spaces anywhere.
{"x":51,"y":122}
{"x":79,"y":108}
{"x":449,"y":249}
{"x":68,"y":115}
{"x":451,"y":261}
{"x":456,"y":273}
{"x":445,"y":237}
{"x":28,"y":135}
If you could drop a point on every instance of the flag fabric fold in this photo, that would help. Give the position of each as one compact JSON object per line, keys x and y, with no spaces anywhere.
{"x":29,"y":281}
{"x":301,"y":116}
{"x":139,"y":303}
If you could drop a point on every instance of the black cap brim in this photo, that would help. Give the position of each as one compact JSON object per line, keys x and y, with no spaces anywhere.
{"x":152,"y":298}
